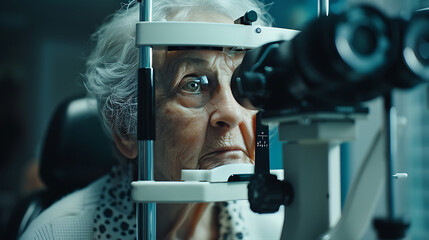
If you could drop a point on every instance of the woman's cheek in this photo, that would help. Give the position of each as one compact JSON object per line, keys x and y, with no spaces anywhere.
{"x":180,"y":135}
{"x":247,"y":130}
{"x":174,"y":120}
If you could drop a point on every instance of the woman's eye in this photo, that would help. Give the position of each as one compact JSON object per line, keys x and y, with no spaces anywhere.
{"x":195,"y":85}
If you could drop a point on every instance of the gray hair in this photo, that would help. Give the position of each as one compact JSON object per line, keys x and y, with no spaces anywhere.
{"x":111,"y":75}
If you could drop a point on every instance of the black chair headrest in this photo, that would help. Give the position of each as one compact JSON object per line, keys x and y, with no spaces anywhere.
{"x":76,"y":150}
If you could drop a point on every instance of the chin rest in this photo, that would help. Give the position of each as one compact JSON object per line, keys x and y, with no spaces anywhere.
{"x":76,"y":151}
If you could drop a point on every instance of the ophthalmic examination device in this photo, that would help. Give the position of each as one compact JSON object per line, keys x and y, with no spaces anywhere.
{"x":313,"y":85}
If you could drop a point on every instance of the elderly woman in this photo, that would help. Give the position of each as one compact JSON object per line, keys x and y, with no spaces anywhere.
{"x":199,"y":126}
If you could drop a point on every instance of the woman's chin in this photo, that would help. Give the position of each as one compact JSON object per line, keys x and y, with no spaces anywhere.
{"x":223,"y":158}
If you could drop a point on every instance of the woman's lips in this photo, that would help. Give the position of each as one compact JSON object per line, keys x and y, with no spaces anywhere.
{"x":222,"y":157}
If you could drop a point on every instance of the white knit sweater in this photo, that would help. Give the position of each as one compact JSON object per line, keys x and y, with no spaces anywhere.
{"x":70,"y":218}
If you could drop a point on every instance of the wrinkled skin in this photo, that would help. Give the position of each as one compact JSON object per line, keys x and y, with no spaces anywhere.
{"x":198,"y":126}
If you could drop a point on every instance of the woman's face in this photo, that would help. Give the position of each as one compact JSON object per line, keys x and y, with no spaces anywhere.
{"x":199,"y":123}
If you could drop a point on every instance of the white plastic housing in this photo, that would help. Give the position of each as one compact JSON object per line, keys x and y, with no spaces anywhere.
{"x":208,"y":34}
{"x":198,"y":186}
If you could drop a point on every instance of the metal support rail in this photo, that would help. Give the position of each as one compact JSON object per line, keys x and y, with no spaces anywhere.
{"x":146,"y":212}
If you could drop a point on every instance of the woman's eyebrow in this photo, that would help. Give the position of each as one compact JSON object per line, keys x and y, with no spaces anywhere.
{"x":178,"y":65}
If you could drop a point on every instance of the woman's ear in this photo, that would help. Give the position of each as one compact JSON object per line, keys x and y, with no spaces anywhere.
{"x":128,"y":147}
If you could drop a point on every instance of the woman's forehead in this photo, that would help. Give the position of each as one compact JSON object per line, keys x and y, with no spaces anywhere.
{"x":193,"y":58}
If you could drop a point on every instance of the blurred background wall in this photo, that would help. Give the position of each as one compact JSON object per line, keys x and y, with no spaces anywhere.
{"x":43,"y":46}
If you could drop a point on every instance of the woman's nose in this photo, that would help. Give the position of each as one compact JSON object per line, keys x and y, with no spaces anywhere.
{"x":227,"y":112}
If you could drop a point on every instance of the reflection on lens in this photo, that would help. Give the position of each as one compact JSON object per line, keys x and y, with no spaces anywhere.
{"x":416,"y":47}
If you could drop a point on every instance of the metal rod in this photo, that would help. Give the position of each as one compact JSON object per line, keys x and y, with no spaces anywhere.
{"x":146,"y":212}
{"x":146,"y":51}
{"x":322,"y":8}
{"x":391,"y":154}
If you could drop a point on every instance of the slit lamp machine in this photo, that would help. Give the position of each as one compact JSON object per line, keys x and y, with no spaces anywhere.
{"x":311,"y":83}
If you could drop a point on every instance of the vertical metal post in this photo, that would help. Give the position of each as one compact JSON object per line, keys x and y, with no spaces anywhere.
{"x":322,"y":8}
{"x":146,"y":212}
{"x":390,"y":227}
{"x":391,"y":138}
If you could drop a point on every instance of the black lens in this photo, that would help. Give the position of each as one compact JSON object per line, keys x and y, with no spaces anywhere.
{"x":364,"y":40}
